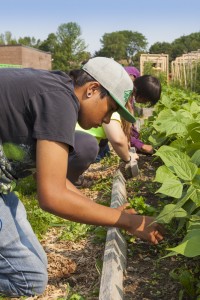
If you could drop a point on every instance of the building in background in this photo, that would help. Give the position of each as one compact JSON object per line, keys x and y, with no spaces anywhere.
{"x":24,"y":57}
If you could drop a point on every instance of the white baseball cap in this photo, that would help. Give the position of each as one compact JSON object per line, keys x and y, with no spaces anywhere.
{"x":113,"y":77}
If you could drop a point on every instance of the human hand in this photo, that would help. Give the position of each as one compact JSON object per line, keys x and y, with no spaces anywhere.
{"x":147,"y":148}
{"x":146,"y":228}
{"x":129,"y":169}
{"x":127,"y":209}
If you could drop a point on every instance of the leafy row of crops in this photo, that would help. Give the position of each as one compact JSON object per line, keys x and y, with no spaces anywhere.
{"x":174,"y":130}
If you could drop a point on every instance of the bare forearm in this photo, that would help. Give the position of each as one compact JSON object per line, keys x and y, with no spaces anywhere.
{"x":121,"y":150}
{"x":117,"y":139}
{"x":72,"y":187}
{"x":78,"y":208}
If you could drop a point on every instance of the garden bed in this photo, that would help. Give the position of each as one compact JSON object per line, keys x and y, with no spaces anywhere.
{"x":75,"y":267}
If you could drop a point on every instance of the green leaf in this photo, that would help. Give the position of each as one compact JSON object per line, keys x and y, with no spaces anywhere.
{"x":172,"y":188}
{"x":194,"y":131}
{"x":184,"y":169}
{"x":194,"y":222}
{"x":166,"y":101}
{"x":189,"y":194}
{"x":196,"y":180}
{"x":157,"y":139}
{"x":194,"y":108}
{"x":190,"y":245}
{"x":195,"y":197}
{"x":179,"y":161}
{"x":170,"y":155}
{"x":191,"y":148}
{"x":170,"y":211}
{"x":163,"y":173}
{"x":179,"y":144}
{"x":196,"y":158}
{"x":172,"y":122}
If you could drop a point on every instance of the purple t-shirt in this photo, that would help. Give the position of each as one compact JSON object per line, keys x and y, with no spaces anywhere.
{"x":134,"y":138}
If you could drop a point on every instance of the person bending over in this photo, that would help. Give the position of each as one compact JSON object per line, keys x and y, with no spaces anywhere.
{"x":147,"y":89}
{"x":39,"y":112}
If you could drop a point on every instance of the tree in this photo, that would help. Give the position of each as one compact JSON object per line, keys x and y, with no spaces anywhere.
{"x":70,"y":48}
{"x":66,"y":46}
{"x":113,"y":46}
{"x":185,"y":44}
{"x":122,"y":45}
{"x":49,"y":44}
{"x":6,"y":39}
{"x":136,"y":42}
{"x":159,"y":47}
{"x":179,"y":46}
{"x":29,"y":41}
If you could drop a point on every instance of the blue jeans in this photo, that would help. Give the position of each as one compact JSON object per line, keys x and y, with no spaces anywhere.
{"x":23,"y":262}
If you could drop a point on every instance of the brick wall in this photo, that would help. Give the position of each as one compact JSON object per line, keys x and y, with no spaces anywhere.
{"x":11,"y":55}
{"x":25,"y":56}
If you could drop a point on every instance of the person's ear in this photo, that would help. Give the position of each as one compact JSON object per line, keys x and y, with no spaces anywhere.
{"x":92,"y":88}
{"x":89,"y":94}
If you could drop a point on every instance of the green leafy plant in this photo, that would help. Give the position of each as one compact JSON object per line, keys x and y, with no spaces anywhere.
{"x":176,"y":129}
{"x":188,"y":281}
{"x":73,"y":231}
{"x":140,"y":205}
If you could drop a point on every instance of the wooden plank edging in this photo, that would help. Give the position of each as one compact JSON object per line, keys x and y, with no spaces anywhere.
{"x":114,"y":263}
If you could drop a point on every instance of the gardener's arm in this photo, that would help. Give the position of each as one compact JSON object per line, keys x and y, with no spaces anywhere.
{"x":117,"y":138}
{"x":56,"y":198}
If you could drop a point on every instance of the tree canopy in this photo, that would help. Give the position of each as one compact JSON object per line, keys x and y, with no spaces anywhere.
{"x":68,"y":49}
{"x":66,"y":46}
{"x":7,"y":39}
{"x":179,"y":46}
{"x":122,"y":45}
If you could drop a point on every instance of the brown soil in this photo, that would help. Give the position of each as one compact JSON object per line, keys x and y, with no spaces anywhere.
{"x":76,"y":264}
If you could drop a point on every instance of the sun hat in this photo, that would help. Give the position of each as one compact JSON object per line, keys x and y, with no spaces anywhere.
{"x":132,"y":71}
{"x":112,"y":76}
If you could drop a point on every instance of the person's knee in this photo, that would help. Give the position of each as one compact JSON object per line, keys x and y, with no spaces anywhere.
{"x":85,"y":152}
{"x":87,"y":149}
{"x":93,"y":150}
{"x":27,"y":284}
{"x":39,"y":284}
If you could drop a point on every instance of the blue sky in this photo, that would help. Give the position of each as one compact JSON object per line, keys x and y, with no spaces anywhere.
{"x":157,"y":20}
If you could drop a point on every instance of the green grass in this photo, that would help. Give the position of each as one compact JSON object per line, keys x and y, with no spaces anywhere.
{"x":40,"y":220}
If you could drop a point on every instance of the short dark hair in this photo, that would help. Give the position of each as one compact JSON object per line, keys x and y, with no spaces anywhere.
{"x":80,"y":77}
{"x":147,"y":87}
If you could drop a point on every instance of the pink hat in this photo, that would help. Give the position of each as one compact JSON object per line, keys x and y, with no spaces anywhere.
{"x":132,"y":71}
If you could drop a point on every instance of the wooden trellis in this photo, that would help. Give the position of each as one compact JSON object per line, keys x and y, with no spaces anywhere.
{"x":184,"y":68}
{"x":160,"y":62}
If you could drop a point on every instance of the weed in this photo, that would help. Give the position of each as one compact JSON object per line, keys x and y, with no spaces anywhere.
{"x":73,"y":231}
{"x":99,"y":234}
{"x":140,"y":205}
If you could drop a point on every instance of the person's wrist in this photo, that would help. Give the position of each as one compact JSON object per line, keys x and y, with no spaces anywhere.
{"x":125,"y":221}
{"x":127,"y":161}
{"x":129,"y":222}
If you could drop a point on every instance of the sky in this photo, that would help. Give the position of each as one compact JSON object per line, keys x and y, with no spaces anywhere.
{"x":157,"y":20}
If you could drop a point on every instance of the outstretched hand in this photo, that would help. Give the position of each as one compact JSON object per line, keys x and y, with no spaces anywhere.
{"x":143,"y":227}
{"x":146,"y":228}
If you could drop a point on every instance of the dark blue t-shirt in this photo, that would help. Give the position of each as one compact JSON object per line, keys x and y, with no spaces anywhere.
{"x":34,"y":104}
